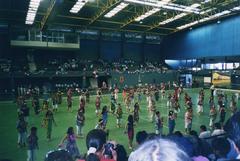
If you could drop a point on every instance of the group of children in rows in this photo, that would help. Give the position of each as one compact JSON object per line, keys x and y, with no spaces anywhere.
{"x":132,"y":104}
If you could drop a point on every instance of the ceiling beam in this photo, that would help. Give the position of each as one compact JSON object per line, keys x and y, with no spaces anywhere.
{"x":112,"y":22}
{"x":108,"y":5}
{"x":132,"y":19}
{"x":49,"y":11}
{"x":106,"y":28}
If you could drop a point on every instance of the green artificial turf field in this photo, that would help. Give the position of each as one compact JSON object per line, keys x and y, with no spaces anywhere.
{"x":64,"y":119}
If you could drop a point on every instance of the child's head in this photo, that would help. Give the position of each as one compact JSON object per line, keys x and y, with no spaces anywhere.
{"x":158,"y":113}
{"x":21,"y":118}
{"x":104,"y":109}
{"x":170,"y":113}
{"x":49,"y":113}
{"x":189,"y":109}
{"x":70,"y":131}
{"x":34,"y":131}
{"x":130,"y":118}
{"x":217,"y":125}
{"x":141,"y":136}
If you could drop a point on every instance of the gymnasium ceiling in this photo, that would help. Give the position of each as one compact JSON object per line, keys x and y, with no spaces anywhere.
{"x":56,"y":14}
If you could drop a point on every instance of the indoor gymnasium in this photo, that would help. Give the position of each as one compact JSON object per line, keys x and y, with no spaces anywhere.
{"x":119,"y":80}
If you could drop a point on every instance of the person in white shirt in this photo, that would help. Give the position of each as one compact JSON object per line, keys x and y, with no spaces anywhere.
{"x":217,"y":129}
{"x":204,"y":133}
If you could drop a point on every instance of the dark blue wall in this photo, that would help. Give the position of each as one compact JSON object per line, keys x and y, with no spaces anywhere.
{"x":89,"y":50}
{"x":4,"y":45}
{"x":115,"y":50}
{"x":152,"y":52}
{"x":110,"y":50}
{"x":209,"y":40}
{"x":133,"y":51}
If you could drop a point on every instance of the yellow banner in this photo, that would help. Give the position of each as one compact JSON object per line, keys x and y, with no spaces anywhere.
{"x":219,"y":78}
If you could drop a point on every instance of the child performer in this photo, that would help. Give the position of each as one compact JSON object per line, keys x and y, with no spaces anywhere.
{"x":176,"y":107}
{"x":32,"y":142}
{"x":36,"y":104}
{"x":54,"y":102}
{"x":24,"y":111}
{"x":220,"y":102}
{"x":152,"y":110}
{"x":136,"y":112}
{"x":47,"y":122}
{"x":156,"y":94}
{"x":45,"y":105}
{"x":119,"y":113}
{"x":163,"y":90}
{"x":69,"y":100}
{"x":59,"y":97}
{"x":139,"y":93}
{"x":80,"y":122}
{"x":169,"y":100}
{"x":113,"y":103}
{"x":87,"y":96}
{"x":233,"y":106}
{"x":124,"y":95}
{"x":188,"y":120}
{"x":98,"y":104}
{"x":213,"y":116}
{"x":116,"y":90}
{"x":82,"y":105}
{"x":22,"y":131}
{"x":104,"y":116}
{"x":200,"y":105}
{"x":171,"y":122}
{"x":222,"y":115}
{"x":82,"y":96}
{"x":71,"y":143}
{"x":128,"y":104}
{"x":130,"y":131}
{"x":158,"y":123}
{"x":211,"y":102}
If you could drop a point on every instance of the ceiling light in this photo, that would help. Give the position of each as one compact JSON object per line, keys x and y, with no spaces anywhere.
{"x":236,"y":8}
{"x":78,"y":5}
{"x":172,"y":19}
{"x":164,"y":4}
{"x":115,"y":10}
{"x":32,"y":11}
{"x":206,"y":1}
{"x":207,"y":11}
{"x":147,"y":14}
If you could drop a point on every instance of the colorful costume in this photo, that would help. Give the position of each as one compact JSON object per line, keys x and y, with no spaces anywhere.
{"x":71,"y":146}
